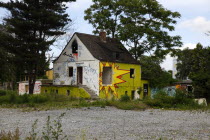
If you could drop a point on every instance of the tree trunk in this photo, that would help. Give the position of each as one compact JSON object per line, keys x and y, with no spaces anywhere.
{"x":32,"y":80}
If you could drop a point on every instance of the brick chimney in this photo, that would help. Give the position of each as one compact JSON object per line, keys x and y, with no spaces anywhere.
{"x":102,"y":36}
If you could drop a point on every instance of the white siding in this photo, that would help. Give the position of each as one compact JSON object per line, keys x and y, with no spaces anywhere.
{"x":83,"y":59}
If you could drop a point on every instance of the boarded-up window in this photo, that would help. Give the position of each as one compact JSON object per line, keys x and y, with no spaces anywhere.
{"x":132,"y":71}
{"x":107,"y":75}
{"x":70,"y":71}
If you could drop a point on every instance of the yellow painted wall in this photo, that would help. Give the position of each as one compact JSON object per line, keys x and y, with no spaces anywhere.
{"x":49,"y":74}
{"x":121,"y":81}
{"x":142,"y":85}
{"x":75,"y":92}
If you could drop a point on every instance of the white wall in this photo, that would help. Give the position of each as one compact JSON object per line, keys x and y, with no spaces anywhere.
{"x":84,"y":59}
{"x":22,"y":88}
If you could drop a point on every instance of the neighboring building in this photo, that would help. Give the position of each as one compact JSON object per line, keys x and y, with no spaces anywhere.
{"x":101,"y":66}
{"x":49,"y":74}
{"x":23,"y":86}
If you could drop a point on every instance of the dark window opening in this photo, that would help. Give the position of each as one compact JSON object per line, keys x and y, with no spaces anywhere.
{"x":56,"y":91}
{"x":145,"y":90}
{"x":116,"y":55}
{"x":74,"y":47}
{"x":132,"y":94}
{"x":45,"y":91}
{"x":70,"y":71}
{"x":68,"y":92}
{"x":126,"y":92}
{"x":107,"y":75}
{"x":132,"y":73}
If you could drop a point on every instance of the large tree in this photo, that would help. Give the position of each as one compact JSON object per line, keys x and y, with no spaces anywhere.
{"x":151,"y":70}
{"x":33,"y":26}
{"x":195,"y":64}
{"x":142,"y":24}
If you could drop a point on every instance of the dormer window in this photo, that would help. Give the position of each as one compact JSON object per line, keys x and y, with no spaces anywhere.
{"x":116,"y":55}
{"x":74,"y":47}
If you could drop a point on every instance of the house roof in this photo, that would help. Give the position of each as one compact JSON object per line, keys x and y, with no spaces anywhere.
{"x":106,"y":51}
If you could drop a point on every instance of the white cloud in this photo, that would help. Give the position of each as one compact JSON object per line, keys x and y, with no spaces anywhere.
{"x":168,"y":62}
{"x":198,"y":24}
{"x":188,"y":45}
{"x":185,"y":3}
{"x":79,"y":5}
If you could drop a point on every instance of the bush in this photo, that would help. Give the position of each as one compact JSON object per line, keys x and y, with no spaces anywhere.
{"x":125,"y":98}
{"x":3,"y":92}
{"x":180,"y":100}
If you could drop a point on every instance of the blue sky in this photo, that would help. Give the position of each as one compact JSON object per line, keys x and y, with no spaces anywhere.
{"x":192,"y":26}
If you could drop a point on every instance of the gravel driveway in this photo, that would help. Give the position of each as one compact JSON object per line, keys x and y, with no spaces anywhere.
{"x":111,"y":123}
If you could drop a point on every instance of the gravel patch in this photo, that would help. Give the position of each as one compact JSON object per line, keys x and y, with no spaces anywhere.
{"x":110,"y":123}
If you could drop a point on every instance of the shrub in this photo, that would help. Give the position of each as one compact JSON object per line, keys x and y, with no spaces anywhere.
{"x":125,"y":98}
{"x":180,"y":100}
{"x":3,"y":92}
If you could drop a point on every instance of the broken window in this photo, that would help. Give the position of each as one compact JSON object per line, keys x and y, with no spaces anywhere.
{"x":132,"y":71}
{"x":74,"y":47}
{"x":107,"y":75}
{"x":70,"y":71}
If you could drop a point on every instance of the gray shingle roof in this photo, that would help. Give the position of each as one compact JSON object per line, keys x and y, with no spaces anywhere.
{"x":112,"y":50}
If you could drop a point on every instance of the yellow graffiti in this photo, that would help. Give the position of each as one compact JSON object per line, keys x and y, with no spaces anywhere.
{"x":116,"y":76}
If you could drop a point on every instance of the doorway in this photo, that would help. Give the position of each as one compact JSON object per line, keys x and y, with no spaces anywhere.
{"x":145,"y":90}
{"x":79,"y":75}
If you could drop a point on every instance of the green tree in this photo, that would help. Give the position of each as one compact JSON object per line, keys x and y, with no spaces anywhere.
{"x":33,"y":26}
{"x":151,"y":70}
{"x":8,"y":68}
{"x":142,"y":24}
{"x":105,"y":15}
{"x":184,"y":65}
{"x":195,"y":64}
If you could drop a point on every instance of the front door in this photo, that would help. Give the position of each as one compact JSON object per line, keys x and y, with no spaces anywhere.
{"x":79,"y":75}
{"x":145,"y":90}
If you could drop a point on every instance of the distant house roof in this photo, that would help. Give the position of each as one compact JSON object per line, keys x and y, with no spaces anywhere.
{"x":184,"y":82}
{"x":112,"y":50}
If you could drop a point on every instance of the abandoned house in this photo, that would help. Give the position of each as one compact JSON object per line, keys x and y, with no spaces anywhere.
{"x":96,"y":66}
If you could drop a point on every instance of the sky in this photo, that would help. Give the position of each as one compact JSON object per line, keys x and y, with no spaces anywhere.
{"x":192,"y":26}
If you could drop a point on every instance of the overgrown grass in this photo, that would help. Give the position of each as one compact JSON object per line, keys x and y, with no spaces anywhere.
{"x":53,"y":101}
{"x":57,"y":101}
{"x":181,"y":100}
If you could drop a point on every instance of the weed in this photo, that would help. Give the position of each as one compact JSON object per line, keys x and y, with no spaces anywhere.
{"x":10,"y":135}
{"x":33,"y":133}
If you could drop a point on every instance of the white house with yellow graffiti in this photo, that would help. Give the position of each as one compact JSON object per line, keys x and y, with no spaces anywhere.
{"x":99,"y":66}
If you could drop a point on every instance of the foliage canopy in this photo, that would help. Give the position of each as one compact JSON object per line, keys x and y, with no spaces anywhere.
{"x":33,"y":26}
{"x":142,"y":24}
